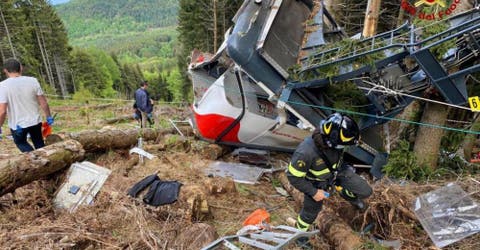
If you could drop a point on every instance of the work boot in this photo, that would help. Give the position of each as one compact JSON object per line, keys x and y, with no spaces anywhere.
{"x":358,"y":204}
{"x":304,"y":243}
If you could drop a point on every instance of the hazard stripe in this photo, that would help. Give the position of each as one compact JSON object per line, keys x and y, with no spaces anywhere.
{"x":302,"y":225}
{"x":320,"y":173}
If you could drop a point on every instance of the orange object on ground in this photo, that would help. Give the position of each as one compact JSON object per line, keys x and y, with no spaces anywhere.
{"x":46,"y":129}
{"x":257,"y":217}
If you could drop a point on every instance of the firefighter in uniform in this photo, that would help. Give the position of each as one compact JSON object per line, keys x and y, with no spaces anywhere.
{"x":317,"y":164}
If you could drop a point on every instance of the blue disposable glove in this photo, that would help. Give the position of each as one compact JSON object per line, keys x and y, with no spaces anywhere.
{"x":19,"y":129}
{"x":50,"y":120}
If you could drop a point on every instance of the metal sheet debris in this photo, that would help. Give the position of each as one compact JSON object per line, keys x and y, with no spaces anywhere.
{"x":141,"y":152}
{"x":252,"y":156}
{"x":239,"y":172}
{"x":83,"y":182}
{"x":448,"y":214}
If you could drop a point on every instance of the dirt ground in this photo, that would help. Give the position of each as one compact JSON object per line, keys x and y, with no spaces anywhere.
{"x":29,"y":220}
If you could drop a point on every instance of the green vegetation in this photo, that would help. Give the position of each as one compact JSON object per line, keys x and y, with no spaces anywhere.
{"x":402,"y":163}
{"x":137,"y":31}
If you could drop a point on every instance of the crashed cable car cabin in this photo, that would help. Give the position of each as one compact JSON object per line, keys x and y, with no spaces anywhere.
{"x":246,"y":95}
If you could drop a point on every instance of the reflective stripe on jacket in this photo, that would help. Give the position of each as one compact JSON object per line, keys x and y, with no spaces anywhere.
{"x":307,"y":170}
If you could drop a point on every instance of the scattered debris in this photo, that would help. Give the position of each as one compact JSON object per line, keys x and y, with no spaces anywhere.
{"x":84,"y":180}
{"x":448,"y":214}
{"x":274,"y":238}
{"x":241,"y":173}
{"x":257,"y":218}
{"x":174,"y":124}
{"x":252,"y":156}
{"x":141,"y":152}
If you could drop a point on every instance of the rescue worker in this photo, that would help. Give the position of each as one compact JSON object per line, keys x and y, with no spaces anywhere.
{"x":317,"y":164}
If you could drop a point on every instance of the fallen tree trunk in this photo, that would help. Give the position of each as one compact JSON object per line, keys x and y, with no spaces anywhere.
{"x":19,"y":170}
{"x":123,"y":118}
{"x":93,"y":140}
{"x":331,"y":226}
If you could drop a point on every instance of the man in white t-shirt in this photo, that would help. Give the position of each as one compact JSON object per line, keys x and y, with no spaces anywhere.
{"x":21,"y":98}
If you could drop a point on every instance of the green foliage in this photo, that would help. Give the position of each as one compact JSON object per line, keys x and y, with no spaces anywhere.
{"x":83,"y":96}
{"x":135,"y":30}
{"x":175,"y":84}
{"x":37,"y":37}
{"x":242,"y":189}
{"x":195,"y":30}
{"x":346,"y":96}
{"x":402,"y":163}
{"x":86,"y":17}
{"x":429,"y":30}
{"x":452,"y":141}
{"x":372,"y":246}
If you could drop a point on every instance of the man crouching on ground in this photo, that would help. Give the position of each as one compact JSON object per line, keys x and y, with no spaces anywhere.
{"x":317,"y":165}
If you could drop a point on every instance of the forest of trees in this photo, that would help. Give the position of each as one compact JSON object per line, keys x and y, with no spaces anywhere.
{"x":32,"y":31}
{"x":105,"y":48}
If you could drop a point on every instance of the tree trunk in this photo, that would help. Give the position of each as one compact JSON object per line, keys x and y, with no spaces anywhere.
{"x":371,"y":18}
{"x":119,"y":119}
{"x":94,"y":140}
{"x":59,"y":67}
{"x":331,"y":226}
{"x":8,"y":34}
{"x":471,"y":139}
{"x":427,"y":142}
{"x":19,"y":170}
{"x":215,"y":28}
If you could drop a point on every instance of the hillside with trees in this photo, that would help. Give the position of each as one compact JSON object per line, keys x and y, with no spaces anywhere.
{"x":136,"y":31}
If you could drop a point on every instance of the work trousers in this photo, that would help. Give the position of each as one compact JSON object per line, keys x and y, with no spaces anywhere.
{"x":20,"y":138}
{"x":352,"y":184}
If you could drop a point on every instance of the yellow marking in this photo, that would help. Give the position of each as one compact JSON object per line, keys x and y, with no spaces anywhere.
{"x":474,"y":103}
{"x":327,"y":129}
{"x":343,"y":138}
{"x":296,"y":172}
{"x":320,"y":173}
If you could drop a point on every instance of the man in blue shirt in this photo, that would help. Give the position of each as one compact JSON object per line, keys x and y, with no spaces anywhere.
{"x":144,"y":104}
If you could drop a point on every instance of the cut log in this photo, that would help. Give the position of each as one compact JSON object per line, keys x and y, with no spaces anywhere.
{"x":19,"y":170}
{"x":219,"y":185}
{"x":93,"y":140}
{"x":331,"y":226}
{"x":196,"y":198}
{"x":108,"y":138}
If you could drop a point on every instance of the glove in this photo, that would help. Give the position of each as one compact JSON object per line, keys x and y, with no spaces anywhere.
{"x":50,"y":120}
{"x":19,"y":130}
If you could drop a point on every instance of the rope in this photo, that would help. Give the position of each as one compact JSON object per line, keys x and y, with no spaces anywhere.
{"x":113,"y":100}
{"x":391,"y":91}
{"x":389,"y":118}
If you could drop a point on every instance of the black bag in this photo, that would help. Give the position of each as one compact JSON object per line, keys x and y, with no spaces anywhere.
{"x":160,"y":192}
